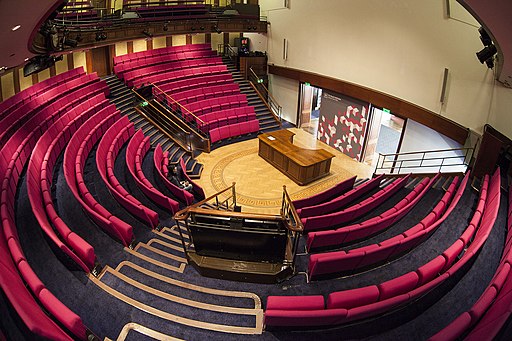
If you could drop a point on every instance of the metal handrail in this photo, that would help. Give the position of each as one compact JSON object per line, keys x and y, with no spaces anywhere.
{"x":178,"y":103}
{"x":422,"y":160}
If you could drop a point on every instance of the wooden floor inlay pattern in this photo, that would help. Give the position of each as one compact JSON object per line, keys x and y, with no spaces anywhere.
{"x":258,"y":184}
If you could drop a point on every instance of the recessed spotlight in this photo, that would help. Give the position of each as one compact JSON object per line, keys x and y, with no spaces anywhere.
{"x":26,"y":59}
{"x":17,"y":27}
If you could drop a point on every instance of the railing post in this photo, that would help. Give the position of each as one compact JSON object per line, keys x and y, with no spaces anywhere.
{"x":234,"y":194}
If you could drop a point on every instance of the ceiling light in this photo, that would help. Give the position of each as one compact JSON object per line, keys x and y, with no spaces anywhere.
{"x":26,"y":59}
{"x":17,"y":27}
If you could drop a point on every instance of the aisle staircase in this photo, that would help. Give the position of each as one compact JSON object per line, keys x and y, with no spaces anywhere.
{"x":267,"y":120}
{"x":124,"y":99}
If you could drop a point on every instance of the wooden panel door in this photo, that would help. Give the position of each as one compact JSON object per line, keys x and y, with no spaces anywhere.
{"x":101,"y":61}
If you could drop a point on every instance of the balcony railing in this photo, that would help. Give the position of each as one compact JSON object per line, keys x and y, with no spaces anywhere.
{"x":442,"y":160}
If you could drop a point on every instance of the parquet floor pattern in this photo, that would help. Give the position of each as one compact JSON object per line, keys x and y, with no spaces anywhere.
{"x":259,"y":186}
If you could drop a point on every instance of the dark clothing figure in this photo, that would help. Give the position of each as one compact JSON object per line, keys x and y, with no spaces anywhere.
{"x":174,"y":178}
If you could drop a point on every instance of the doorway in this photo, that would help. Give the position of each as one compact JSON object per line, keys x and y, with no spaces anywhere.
{"x":384,"y":135}
{"x":309,"y":109}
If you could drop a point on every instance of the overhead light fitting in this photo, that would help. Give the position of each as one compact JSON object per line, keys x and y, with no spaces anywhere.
{"x":15,"y":28}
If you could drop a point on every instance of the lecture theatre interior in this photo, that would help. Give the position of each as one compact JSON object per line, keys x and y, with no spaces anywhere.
{"x":255,"y":170}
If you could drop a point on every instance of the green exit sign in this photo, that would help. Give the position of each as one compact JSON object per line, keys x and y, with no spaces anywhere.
{"x":386,"y":110}
{"x":307,"y":83}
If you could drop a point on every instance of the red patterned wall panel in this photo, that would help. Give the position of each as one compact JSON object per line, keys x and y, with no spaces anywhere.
{"x":342,"y":123}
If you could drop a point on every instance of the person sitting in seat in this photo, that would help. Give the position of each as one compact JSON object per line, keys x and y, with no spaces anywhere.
{"x":175,"y":180}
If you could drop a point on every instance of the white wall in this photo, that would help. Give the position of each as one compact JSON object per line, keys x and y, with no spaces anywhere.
{"x":285,"y":92}
{"x":418,"y":137}
{"x":257,"y":41}
{"x":398,"y":47}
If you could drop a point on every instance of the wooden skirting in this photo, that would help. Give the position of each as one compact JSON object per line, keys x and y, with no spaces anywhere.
{"x":397,"y":106}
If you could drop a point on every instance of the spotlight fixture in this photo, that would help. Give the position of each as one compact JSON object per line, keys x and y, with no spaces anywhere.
{"x":201,"y":28}
{"x":166,"y":27}
{"x":486,"y":53}
{"x":490,"y":63}
{"x":484,"y":37}
{"x":147,"y":33}
{"x":79,"y":37}
{"x":70,"y":42}
{"x":216,"y":29}
{"x":100,"y":36}
{"x":192,"y":28}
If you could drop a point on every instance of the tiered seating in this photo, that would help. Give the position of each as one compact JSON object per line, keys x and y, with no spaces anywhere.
{"x":142,"y":55}
{"x":494,"y":307}
{"x":40,"y":178}
{"x":351,"y":233}
{"x":108,"y":149}
{"x":75,"y":157}
{"x":161,"y":162}
{"x":132,"y":61}
{"x":222,"y":118}
{"x":327,"y":195}
{"x":48,"y":100}
{"x":353,"y":260}
{"x":19,"y":282}
{"x":360,"y":303}
{"x":215,"y":104}
{"x":341,"y":200}
{"x":171,"y":87}
{"x":325,"y":220}
{"x":137,"y":148}
{"x":232,"y":130}
{"x":28,"y":94}
{"x":142,"y":74}
{"x":206,"y":92}
{"x":162,"y":78}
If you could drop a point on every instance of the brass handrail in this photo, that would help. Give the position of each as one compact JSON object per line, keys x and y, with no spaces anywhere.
{"x":178,"y":103}
{"x":170,"y":121}
{"x":184,"y":213}
{"x":264,"y":87}
{"x":277,"y":118}
{"x":288,"y":203}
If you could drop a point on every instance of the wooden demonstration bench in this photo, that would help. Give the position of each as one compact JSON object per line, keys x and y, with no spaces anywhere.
{"x":299,"y":164}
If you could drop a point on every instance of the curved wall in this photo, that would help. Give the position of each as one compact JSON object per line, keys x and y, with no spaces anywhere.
{"x":398,"y":47}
